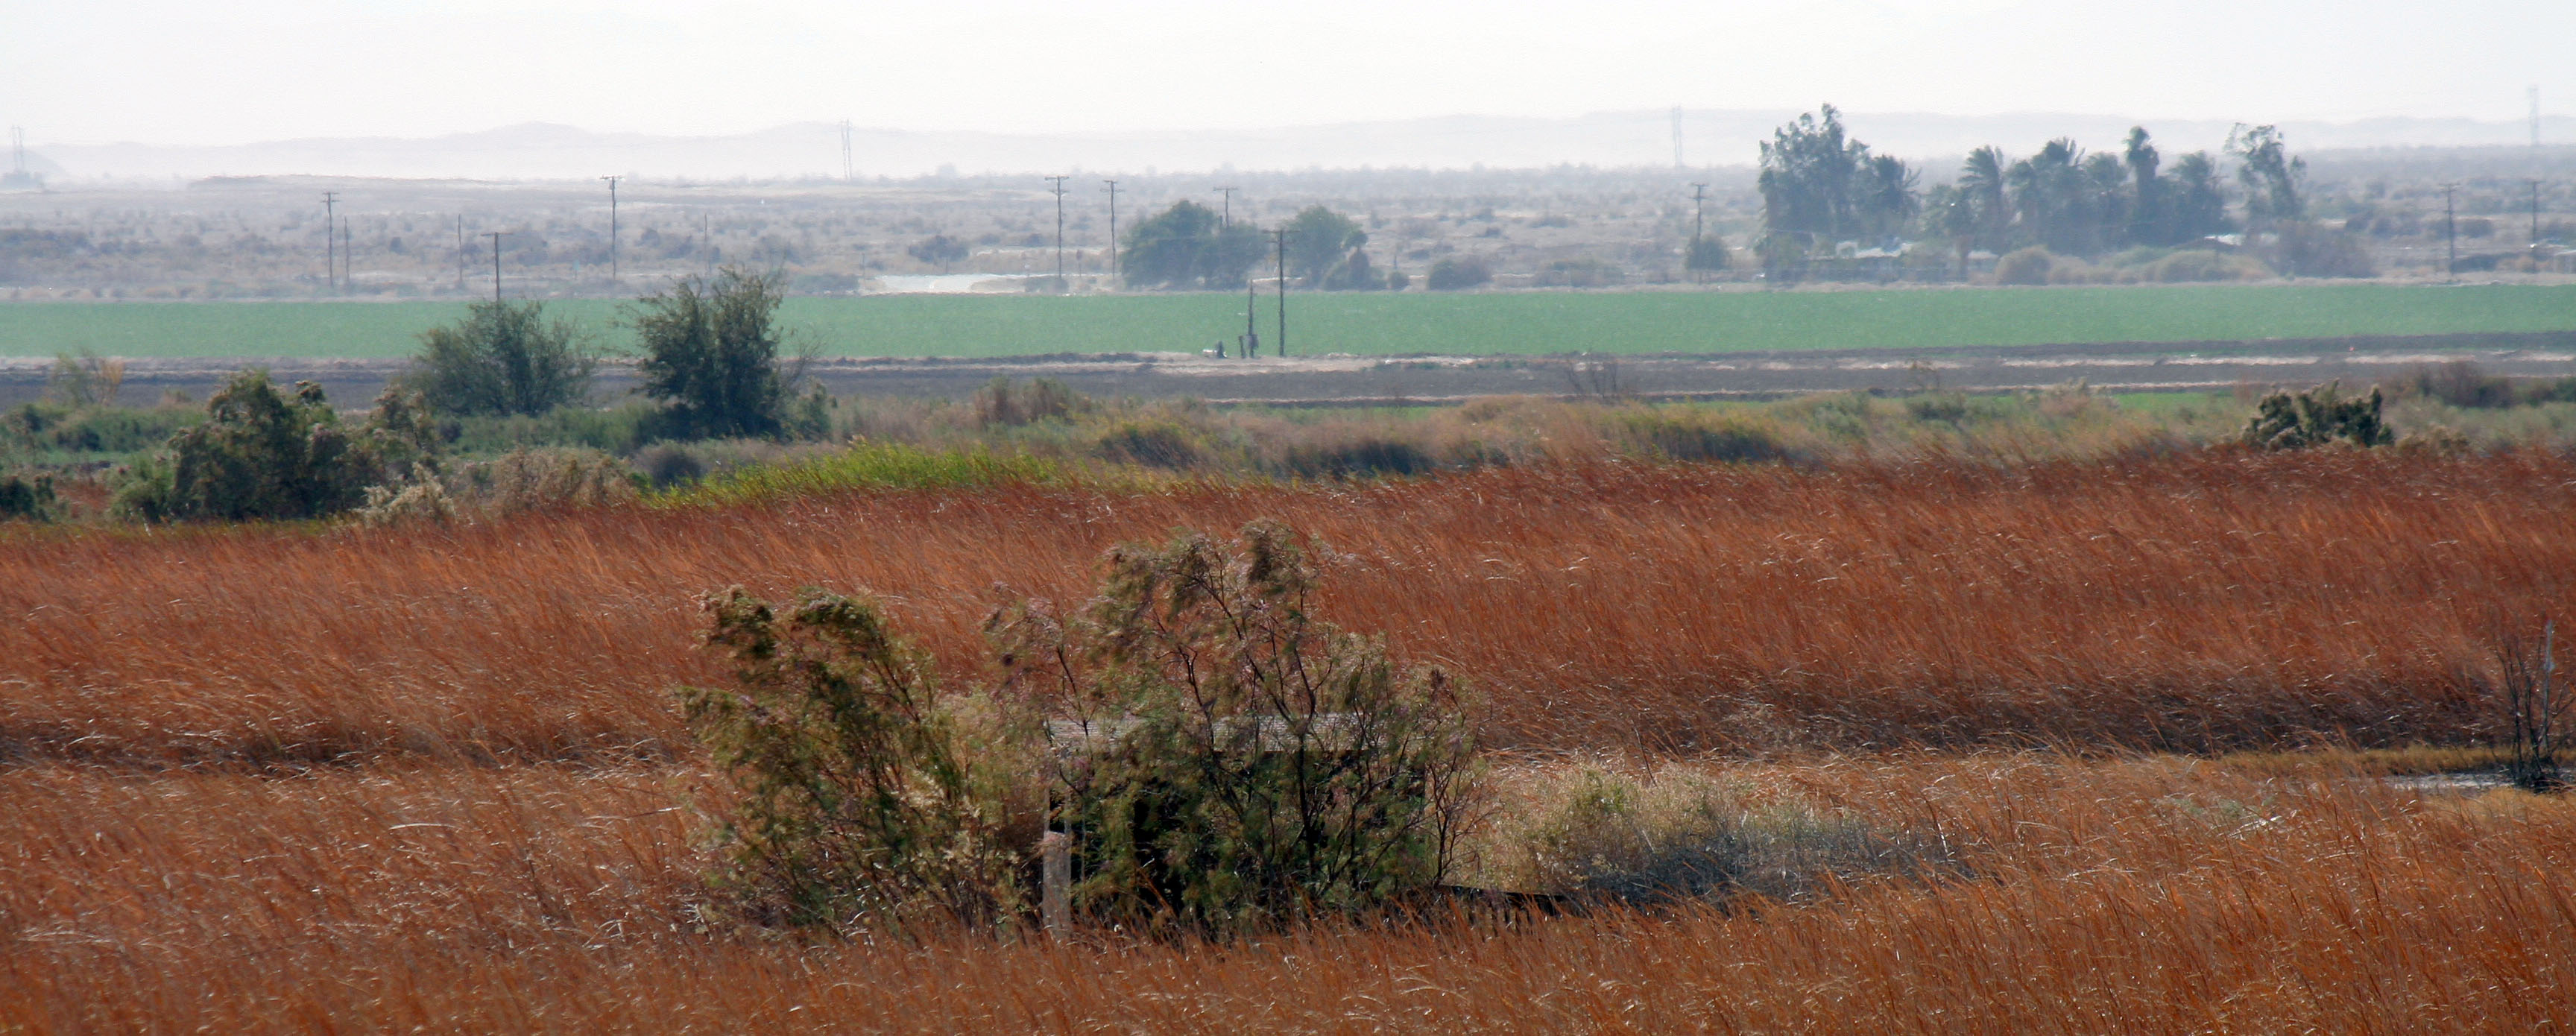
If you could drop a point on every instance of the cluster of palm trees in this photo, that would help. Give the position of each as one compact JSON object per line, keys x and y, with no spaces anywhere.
{"x":1820,"y":187}
{"x":2073,"y":203}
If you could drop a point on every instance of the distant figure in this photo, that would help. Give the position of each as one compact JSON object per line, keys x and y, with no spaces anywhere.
{"x":1251,"y":345}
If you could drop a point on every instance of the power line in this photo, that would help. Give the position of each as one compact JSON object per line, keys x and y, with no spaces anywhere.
{"x":1113,"y":228}
{"x":1059,"y":231}
{"x":331,"y":239}
{"x":612,"y":227}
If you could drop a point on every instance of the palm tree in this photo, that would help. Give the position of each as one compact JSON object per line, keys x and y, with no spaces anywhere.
{"x":2146,"y":207}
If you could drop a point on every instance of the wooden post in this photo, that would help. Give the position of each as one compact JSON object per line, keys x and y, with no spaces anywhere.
{"x":1056,"y":883}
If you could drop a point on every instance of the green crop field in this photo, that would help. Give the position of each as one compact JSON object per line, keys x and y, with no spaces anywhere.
{"x":1374,"y":324}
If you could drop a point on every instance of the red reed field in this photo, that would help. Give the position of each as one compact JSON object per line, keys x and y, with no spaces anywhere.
{"x":2188,"y":602}
{"x":431,"y":777}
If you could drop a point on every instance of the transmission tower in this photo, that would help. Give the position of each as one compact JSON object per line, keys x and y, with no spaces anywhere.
{"x":1226,"y":218}
{"x":848,"y":171}
{"x":1059,"y":231}
{"x":1677,"y":137}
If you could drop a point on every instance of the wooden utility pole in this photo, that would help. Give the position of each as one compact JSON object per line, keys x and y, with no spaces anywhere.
{"x":2450,"y":232}
{"x":612,"y":227}
{"x":460,"y":253}
{"x":1282,"y":235}
{"x":1113,"y":228}
{"x":331,"y":239}
{"x":495,"y":235}
{"x":1060,"y":285}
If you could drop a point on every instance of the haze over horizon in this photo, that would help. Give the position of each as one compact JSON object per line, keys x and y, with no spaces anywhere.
{"x":185,"y":75}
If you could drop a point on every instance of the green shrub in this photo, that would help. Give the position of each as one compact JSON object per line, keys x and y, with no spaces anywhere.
{"x":866,"y":794}
{"x":1457,"y":272}
{"x":711,"y":352}
{"x":260,"y":454}
{"x":2288,"y":421}
{"x":30,"y":497}
{"x":1154,"y":444}
{"x":1233,"y":762}
{"x":1690,"y":439}
{"x":502,"y":358}
{"x":1356,"y":458}
{"x":2025,"y":266}
{"x":872,"y":466}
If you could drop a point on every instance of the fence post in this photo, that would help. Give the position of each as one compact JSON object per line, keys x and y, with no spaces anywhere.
{"x":1056,"y":882}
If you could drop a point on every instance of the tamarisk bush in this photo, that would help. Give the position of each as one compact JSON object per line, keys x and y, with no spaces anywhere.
{"x":1233,"y":761}
{"x":866,"y":793}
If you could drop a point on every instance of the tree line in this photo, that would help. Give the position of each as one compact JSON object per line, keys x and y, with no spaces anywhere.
{"x":1820,"y":186}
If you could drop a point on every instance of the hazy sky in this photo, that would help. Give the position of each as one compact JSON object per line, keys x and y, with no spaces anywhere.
{"x":236,"y":71}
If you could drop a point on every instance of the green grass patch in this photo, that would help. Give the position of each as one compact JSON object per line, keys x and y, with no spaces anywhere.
{"x":871,"y":466}
{"x":1376,"y":323}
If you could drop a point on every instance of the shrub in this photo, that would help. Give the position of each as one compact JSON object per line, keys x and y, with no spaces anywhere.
{"x":1579,"y":273}
{"x":2533,"y":697}
{"x":30,"y":497}
{"x":520,"y":480}
{"x":2288,"y":421}
{"x":2025,"y":266}
{"x":1675,"y":834}
{"x":503,"y":358}
{"x":1158,"y":444}
{"x":864,"y":792}
{"x":1683,"y":439}
{"x":2315,"y":250}
{"x":1360,"y":457}
{"x":1457,"y":272}
{"x":2200,"y":265}
{"x":1232,"y":761}
{"x":711,"y":352}
{"x":1002,"y":402}
{"x":260,"y":454}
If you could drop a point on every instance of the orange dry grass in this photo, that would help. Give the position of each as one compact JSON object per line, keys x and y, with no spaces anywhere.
{"x":2192,"y":602}
{"x":2139,"y":896}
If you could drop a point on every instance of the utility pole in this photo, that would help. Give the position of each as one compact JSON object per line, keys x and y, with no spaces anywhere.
{"x":331,"y":239}
{"x":1060,"y":285}
{"x":1251,"y":344}
{"x":495,"y":235}
{"x":1113,"y":228}
{"x":2535,"y":216}
{"x":1677,"y":136}
{"x":2450,"y":232}
{"x":1282,"y":235}
{"x":1699,"y":220}
{"x":612,"y":227}
{"x":848,"y":172}
{"x":348,"y":256}
{"x":1227,"y":218}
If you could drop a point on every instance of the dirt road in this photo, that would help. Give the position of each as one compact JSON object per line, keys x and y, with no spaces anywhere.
{"x":1392,"y":381}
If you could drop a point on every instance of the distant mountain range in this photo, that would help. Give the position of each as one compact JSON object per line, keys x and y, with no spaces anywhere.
{"x":1608,"y":139}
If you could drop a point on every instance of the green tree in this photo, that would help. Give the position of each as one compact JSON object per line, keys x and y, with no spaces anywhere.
{"x":1457,"y":272}
{"x":1707,"y":255}
{"x":2272,"y":178}
{"x":502,"y":358}
{"x":1324,"y":250}
{"x":2147,"y":222}
{"x":711,"y":352}
{"x":1819,"y":183}
{"x":263,"y":454}
{"x":938,"y":250}
{"x":2197,"y":199}
{"x":1188,"y":246}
